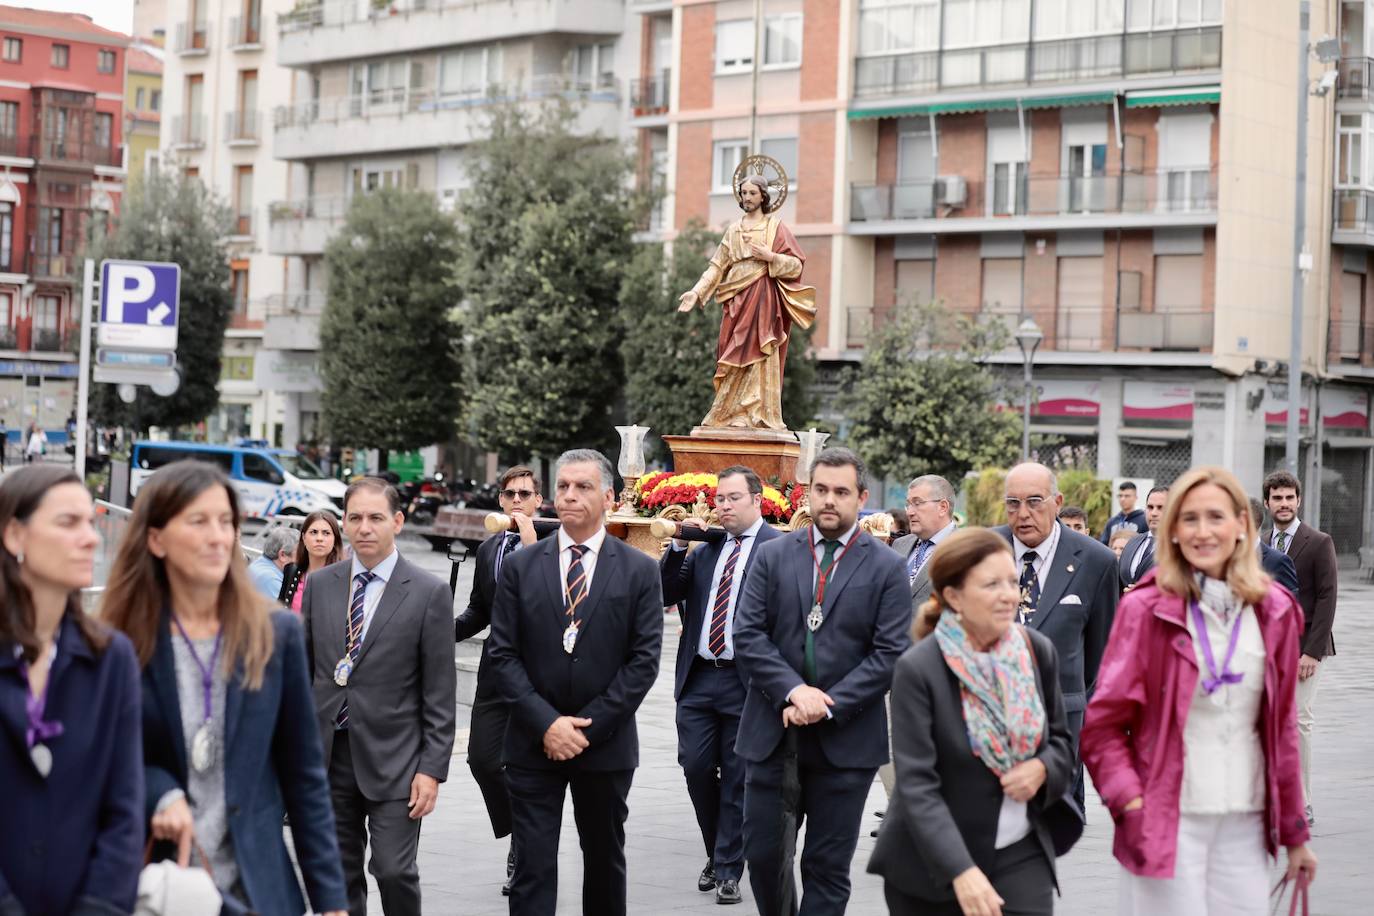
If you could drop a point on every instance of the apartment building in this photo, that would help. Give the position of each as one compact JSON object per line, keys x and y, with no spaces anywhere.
{"x":143,"y":109}
{"x":392,"y":94}
{"x":61,"y":176}
{"x":220,"y":83}
{"x":1121,"y":171}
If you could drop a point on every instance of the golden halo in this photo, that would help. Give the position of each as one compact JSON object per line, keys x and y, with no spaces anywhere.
{"x":762,"y":165}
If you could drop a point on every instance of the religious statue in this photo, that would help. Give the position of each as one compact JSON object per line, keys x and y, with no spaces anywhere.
{"x":754,"y":275}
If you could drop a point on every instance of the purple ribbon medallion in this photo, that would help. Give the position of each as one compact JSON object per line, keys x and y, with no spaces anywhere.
{"x":39,"y":730}
{"x":1215,"y":679}
{"x":203,"y":742}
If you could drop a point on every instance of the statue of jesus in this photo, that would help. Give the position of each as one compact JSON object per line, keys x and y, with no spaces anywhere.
{"x":754,"y":275}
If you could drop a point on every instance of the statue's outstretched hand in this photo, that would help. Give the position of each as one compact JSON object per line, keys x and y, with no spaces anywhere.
{"x":688,"y":301}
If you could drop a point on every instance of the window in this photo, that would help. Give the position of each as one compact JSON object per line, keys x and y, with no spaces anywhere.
{"x":469,"y":71}
{"x":49,"y":230}
{"x":243,"y":199}
{"x":1178,"y":283}
{"x":1071,"y":18}
{"x":594,"y":65}
{"x":14,"y":50}
{"x":105,"y":61}
{"x":726,"y":157}
{"x":236,"y":369}
{"x":257,"y":467}
{"x":238,"y":287}
{"x":150,"y":458}
{"x":6,"y":319}
{"x":45,"y":312}
{"x":1145,"y":15}
{"x":9,"y":119}
{"x":783,"y":149}
{"x":104,"y":130}
{"x":735,"y":46}
{"x":1185,"y":153}
{"x":1349,"y":151}
{"x":138,"y":98}
{"x":1079,"y":325}
{"x":972,"y":23}
{"x":6,"y":240}
{"x":155,"y":100}
{"x":370,"y":178}
{"x":782,"y":41}
{"x":248,"y":91}
{"x":887,"y":26}
{"x":915,"y":282}
{"x":1007,"y":161}
{"x":61,"y":54}
{"x":1002,"y":285}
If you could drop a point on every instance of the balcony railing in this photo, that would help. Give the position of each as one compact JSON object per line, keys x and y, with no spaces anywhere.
{"x":332,"y":207}
{"x":1072,"y":328}
{"x":192,"y":38}
{"x":188,"y":131}
{"x":245,"y":31}
{"x":291,"y":304}
{"x":1165,"y":191}
{"x":342,"y":12}
{"x":16,"y":145}
{"x":9,"y":340}
{"x":1350,"y":341}
{"x":242,"y":223}
{"x":1063,"y":60}
{"x":63,"y":149}
{"x":52,"y":266}
{"x":404,"y":101}
{"x":1354,"y":211}
{"x":243,"y":126}
{"x":649,"y":95}
{"x":51,"y":340}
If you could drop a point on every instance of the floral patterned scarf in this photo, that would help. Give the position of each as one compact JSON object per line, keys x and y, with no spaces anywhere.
{"x":1002,"y":708}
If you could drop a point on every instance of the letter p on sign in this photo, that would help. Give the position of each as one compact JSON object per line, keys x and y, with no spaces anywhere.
{"x":139,"y":305}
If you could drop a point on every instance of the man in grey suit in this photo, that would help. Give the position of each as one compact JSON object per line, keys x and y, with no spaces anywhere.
{"x":1069,"y":586}
{"x":379,"y":631}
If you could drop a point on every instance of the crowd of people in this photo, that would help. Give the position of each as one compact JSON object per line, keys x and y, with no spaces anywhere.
{"x":209,"y":701}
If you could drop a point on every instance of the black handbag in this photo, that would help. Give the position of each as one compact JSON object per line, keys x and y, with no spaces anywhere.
{"x":1061,"y":816}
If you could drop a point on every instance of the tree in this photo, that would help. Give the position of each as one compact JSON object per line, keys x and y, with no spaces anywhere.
{"x":389,"y":350}
{"x":922,"y":401}
{"x":165,"y":216}
{"x":670,"y":357}
{"x":544,"y":239}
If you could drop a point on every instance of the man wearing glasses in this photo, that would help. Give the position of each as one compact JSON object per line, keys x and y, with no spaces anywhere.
{"x":520,"y":499}
{"x":930,"y":518}
{"x":1069,"y":586}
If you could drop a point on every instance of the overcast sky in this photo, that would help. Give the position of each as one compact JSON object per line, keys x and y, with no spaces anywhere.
{"x":112,"y":14}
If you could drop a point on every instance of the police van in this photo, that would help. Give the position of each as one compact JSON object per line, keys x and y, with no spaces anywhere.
{"x":269,"y":481}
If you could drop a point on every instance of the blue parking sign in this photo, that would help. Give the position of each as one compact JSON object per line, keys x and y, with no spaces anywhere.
{"x":140,"y":305}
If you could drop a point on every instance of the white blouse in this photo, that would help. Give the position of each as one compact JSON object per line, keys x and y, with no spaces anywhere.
{"x":1223,"y":758}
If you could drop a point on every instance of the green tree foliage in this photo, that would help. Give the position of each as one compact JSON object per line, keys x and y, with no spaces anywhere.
{"x":983,"y":495}
{"x":545,"y":238}
{"x":167,"y":217}
{"x":922,"y":401}
{"x":389,"y":349}
{"x":1084,"y":489}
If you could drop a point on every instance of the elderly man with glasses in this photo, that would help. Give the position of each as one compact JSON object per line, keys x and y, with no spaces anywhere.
{"x":1069,"y":586}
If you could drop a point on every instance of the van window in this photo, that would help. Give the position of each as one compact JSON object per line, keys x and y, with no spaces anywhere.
{"x":152,"y":457}
{"x":256,"y":467}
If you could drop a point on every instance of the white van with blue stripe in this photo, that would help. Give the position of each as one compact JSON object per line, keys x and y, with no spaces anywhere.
{"x":268,"y":481}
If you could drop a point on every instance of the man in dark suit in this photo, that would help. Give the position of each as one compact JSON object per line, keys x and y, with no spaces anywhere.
{"x":824,"y":616}
{"x":576,"y":631}
{"x":1129,"y":517}
{"x":1069,"y":586}
{"x":1314,"y":557}
{"x":708,"y":688}
{"x":1139,"y":556}
{"x":377,"y":630}
{"x":520,"y":499}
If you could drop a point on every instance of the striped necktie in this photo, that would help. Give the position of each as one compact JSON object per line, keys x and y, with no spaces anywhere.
{"x":715,"y":637}
{"x":355,"y":631}
{"x":575,"y":588}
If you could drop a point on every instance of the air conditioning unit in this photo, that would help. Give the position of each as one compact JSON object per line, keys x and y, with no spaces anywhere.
{"x":951,"y":191}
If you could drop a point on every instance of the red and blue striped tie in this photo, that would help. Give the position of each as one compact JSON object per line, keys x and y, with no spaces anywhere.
{"x":715,"y":638}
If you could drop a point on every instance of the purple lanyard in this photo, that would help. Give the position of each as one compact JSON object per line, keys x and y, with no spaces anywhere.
{"x":207,"y":672}
{"x":39,"y":729}
{"x":1226,"y":676}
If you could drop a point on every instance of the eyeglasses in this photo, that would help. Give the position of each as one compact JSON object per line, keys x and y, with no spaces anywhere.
{"x":731,"y":498}
{"x":517,"y":494}
{"x":1032,"y":503}
{"x":918,"y":503}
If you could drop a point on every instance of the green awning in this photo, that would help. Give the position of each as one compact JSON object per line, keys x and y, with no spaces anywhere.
{"x":1156,"y":98}
{"x":972,"y":105}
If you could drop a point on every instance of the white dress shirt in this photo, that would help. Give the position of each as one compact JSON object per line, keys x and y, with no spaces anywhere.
{"x":1044,"y":554}
{"x":381,"y":573}
{"x":593,"y":545}
{"x":1288,"y":532}
{"x":746,"y":547}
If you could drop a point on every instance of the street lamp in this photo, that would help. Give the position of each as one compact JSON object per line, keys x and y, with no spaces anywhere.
{"x":1028,"y":337}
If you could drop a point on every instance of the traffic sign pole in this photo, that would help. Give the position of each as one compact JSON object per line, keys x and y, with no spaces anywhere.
{"x":83,"y":384}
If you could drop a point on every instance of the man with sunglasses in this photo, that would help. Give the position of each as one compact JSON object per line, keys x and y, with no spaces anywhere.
{"x":1069,"y":586}
{"x":520,"y":499}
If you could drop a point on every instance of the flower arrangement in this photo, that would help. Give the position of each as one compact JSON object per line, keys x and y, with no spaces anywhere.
{"x":661,"y":489}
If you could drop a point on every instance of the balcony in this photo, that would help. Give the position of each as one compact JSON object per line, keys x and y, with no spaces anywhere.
{"x":1173,"y":197}
{"x":1353,"y":215}
{"x":9,"y":338}
{"x":335,"y":30}
{"x":245,"y":33}
{"x":649,"y":95}
{"x":69,"y":151}
{"x":243,"y":128}
{"x":1131,"y":54}
{"x":51,"y":340}
{"x":192,"y":39}
{"x":188,"y":131}
{"x":1350,"y":342}
{"x":304,"y":227}
{"x":383,"y":122}
{"x":16,"y":146}
{"x":241,"y":224}
{"x":60,"y":266}
{"x":293,"y":321}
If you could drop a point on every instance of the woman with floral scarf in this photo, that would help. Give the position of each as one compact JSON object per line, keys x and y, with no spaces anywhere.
{"x":980,"y":743}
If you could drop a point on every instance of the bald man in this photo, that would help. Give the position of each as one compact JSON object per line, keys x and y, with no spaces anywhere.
{"x":1069,"y":585}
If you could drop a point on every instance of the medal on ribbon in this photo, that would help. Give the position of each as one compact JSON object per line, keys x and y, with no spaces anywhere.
{"x":342,"y":670}
{"x":815,"y":618}
{"x":570,"y":638}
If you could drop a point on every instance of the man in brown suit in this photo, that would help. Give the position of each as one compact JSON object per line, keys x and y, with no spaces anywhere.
{"x":1314,"y":556}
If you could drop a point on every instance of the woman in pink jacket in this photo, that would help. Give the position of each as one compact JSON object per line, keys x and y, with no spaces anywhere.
{"x":1191,"y":736}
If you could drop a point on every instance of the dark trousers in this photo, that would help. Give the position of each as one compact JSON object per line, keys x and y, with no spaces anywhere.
{"x":395,"y":840}
{"x":1075,"y":726}
{"x":831,"y":807}
{"x":707,"y":721}
{"x":1021,"y":876}
{"x":487,"y":735}
{"x":537,"y":815}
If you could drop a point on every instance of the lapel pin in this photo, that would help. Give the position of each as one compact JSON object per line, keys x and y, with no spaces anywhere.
{"x":1070,"y":567}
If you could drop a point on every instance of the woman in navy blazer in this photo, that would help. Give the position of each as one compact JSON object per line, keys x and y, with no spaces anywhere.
{"x":71,"y":780}
{"x":179,"y":580}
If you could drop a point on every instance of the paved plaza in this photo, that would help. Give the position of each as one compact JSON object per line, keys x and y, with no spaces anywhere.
{"x":462,"y":866}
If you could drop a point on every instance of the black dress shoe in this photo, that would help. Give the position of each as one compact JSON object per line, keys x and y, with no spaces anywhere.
{"x":707,"y":880}
{"x":728,"y":892}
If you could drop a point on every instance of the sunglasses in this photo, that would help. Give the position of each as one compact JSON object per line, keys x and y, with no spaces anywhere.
{"x":517,"y":494}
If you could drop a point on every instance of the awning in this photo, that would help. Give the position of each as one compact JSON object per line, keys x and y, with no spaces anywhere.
{"x":971,"y":105}
{"x":1159,"y":98}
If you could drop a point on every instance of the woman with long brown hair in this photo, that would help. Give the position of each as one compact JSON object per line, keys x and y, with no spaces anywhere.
{"x":320,"y":544}
{"x":70,"y":754}
{"x":980,"y":745}
{"x":230,"y":740}
{"x":1191,"y":736}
